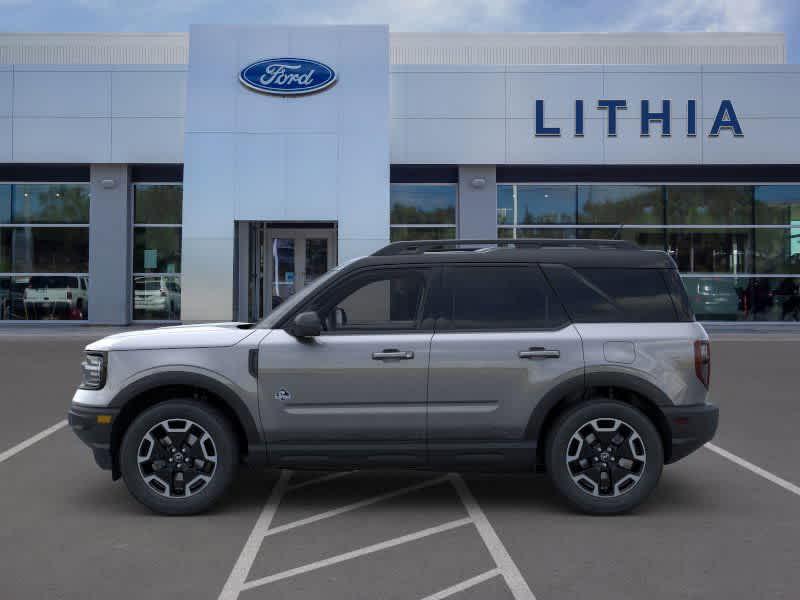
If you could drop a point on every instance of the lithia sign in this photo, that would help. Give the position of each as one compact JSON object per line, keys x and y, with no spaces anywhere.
{"x":725,"y":120}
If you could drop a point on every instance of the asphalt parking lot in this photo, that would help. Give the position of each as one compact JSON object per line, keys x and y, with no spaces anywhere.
{"x":713,"y":528}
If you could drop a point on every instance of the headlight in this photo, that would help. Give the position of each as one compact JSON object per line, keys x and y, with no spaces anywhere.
{"x":93,"y":371}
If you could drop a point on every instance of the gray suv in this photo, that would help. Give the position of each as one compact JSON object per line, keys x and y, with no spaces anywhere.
{"x":580,"y":358}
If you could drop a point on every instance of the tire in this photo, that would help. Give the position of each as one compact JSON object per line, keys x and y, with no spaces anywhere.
{"x":570,"y":442}
{"x":174,"y":421}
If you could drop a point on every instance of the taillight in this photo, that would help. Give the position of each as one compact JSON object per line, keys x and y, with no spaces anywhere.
{"x":702,"y":361}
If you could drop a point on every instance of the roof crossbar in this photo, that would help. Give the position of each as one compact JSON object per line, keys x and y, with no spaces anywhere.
{"x":421,"y":247}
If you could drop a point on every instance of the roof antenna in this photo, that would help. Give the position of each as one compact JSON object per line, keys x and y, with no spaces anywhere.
{"x":618,"y":232}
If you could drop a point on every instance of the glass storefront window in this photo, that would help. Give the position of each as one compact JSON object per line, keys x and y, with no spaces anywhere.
{"x":407,"y":234}
{"x":423,"y":211}
{"x":44,"y":251}
{"x":157,"y":214}
{"x":44,"y":204}
{"x":651,"y":239}
{"x":778,"y":205}
{"x":628,"y":204}
{"x":535,"y":205}
{"x":709,"y":205}
{"x":732,"y":243}
{"x":744,"y":298}
{"x":778,"y":250}
{"x":156,"y":297}
{"x":545,"y":205}
{"x":157,"y":250}
{"x":158,"y":204}
{"x":44,"y":297}
{"x":712,"y":250}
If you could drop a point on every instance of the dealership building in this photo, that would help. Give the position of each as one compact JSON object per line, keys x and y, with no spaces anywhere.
{"x":208,"y":175}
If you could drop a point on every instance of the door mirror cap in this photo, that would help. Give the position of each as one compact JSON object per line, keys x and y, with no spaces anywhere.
{"x":306,"y":325}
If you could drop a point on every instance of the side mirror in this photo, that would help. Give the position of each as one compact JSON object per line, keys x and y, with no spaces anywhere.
{"x":306,"y":325}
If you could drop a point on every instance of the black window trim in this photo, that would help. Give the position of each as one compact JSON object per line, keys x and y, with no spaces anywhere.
{"x":430,"y":271}
{"x":441,"y":319}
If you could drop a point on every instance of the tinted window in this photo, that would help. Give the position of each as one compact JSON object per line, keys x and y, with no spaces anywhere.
{"x":600,"y":295}
{"x":490,"y":297}
{"x":679,"y":297}
{"x":378,"y":300}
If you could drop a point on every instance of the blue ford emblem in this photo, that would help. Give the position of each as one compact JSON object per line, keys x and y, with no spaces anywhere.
{"x":287,"y":76}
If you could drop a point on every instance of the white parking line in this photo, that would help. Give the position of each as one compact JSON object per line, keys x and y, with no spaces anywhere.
{"x":4,"y":456}
{"x":788,"y":486}
{"x":464,"y":585}
{"x":357,"y":553}
{"x":321,"y":479}
{"x":356,"y":505}
{"x":511,"y":573}
{"x":248,"y":555}
{"x":504,"y":565}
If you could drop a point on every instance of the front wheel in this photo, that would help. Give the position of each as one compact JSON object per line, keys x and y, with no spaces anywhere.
{"x":605,"y":457}
{"x":178,"y":457}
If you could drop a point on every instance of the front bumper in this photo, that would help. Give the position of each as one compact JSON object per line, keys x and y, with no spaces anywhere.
{"x":691,"y":426}
{"x":94,"y":432}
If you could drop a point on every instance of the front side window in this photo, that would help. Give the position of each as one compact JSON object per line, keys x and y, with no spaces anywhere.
{"x":157,"y":215}
{"x":423,"y":211}
{"x":499,"y":298}
{"x":390,"y":300}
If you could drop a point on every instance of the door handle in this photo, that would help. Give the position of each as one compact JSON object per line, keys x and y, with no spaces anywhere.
{"x":536,"y":353}
{"x":392,"y":354}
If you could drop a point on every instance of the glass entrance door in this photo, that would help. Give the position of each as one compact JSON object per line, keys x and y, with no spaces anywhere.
{"x":283,"y":261}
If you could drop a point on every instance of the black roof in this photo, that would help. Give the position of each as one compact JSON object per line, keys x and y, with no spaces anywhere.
{"x":575,"y":253}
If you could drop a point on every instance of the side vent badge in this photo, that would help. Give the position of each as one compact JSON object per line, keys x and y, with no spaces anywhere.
{"x":282,"y":395}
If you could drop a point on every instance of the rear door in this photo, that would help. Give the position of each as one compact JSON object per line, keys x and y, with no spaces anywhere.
{"x":502,"y":342}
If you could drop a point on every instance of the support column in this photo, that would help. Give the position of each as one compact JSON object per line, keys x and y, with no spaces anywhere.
{"x":477,"y":202}
{"x":109,"y":245}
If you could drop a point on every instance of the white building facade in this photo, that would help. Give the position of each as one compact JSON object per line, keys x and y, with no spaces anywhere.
{"x":143,"y":177}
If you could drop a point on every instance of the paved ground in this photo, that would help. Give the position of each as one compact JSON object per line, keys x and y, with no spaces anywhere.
{"x":713,"y":529}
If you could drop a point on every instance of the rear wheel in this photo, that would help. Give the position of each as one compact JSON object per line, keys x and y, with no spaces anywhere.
{"x":605,"y":457}
{"x":178,"y":457}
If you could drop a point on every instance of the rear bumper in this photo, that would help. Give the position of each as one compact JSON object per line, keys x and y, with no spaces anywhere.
{"x":691,"y":426}
{"x":83,"y":420}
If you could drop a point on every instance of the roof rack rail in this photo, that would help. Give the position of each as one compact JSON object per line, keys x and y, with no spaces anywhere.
{"x":423,"y":246}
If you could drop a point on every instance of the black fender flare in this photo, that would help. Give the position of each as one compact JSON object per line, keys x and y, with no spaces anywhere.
{"x":631,"y":382}
{"x":256,"y":446}
{"x":578,"y":385}
{"x":574,"y":386}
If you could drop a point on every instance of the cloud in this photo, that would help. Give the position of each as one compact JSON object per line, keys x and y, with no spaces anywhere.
{"x":414,"y":15}
{"x":705,"y":15}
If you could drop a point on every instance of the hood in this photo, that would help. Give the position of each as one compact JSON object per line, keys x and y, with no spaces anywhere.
{"x":207,"y":335}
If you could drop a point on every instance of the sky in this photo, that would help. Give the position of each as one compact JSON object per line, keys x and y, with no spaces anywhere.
{"x":413,"y":15}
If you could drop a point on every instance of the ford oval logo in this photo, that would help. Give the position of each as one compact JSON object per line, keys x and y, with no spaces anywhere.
{"x":287,"y":76}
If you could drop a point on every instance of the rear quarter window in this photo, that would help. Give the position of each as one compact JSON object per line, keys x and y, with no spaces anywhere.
{"x":600,"y":295}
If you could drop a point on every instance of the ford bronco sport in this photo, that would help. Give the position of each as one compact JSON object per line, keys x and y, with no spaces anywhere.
{"x":581,"y":358}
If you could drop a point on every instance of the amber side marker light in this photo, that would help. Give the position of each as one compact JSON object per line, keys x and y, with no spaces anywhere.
{"x":103,"y":419}
{"x":702,"y":361}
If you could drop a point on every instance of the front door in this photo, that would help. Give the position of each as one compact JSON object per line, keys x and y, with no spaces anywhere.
{"x":502,"y":342}
{"x":358,"y":392}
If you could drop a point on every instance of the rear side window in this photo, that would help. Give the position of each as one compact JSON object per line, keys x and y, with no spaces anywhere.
{"x":600,"y":295}
{"x":679,"y":297}
{"x":499,"y":298}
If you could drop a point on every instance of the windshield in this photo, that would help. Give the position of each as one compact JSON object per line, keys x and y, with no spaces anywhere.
{"x":288,"y":305}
